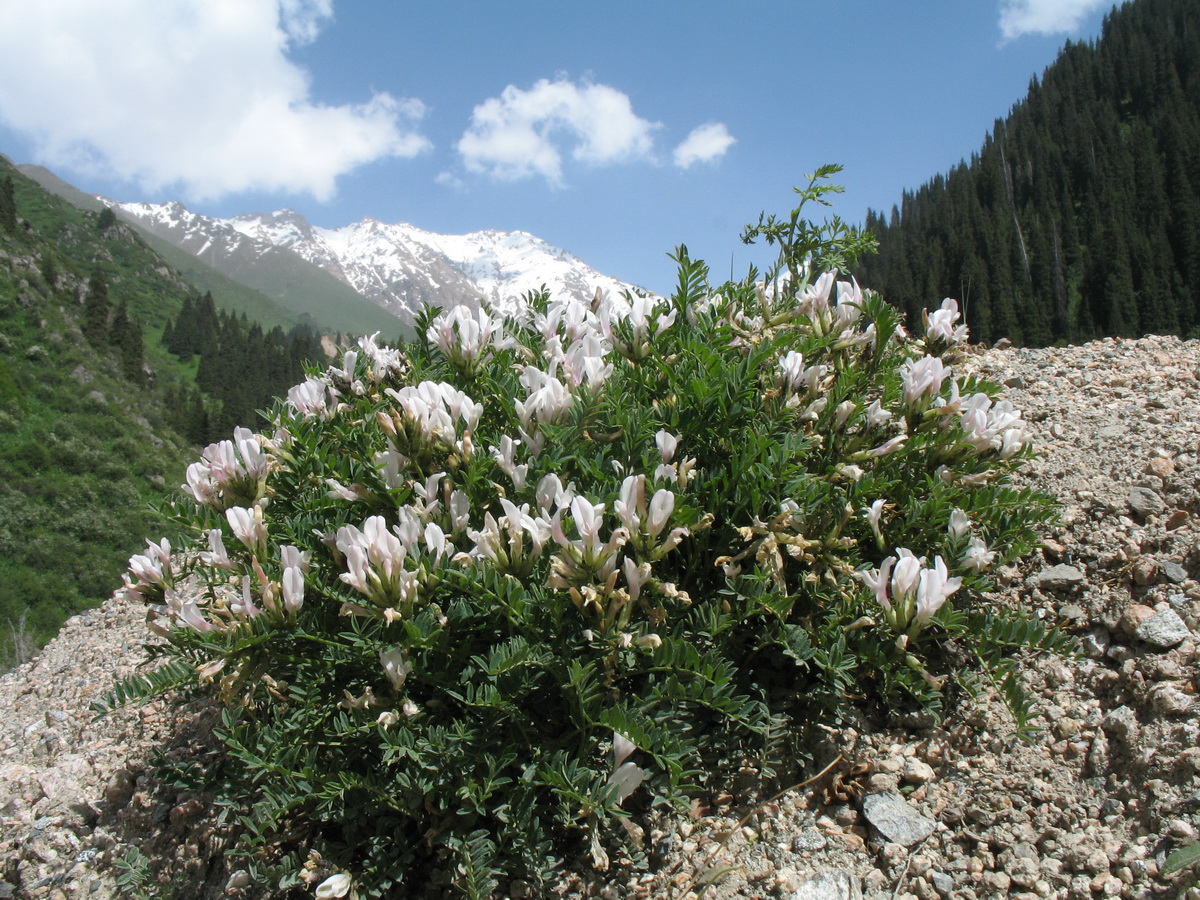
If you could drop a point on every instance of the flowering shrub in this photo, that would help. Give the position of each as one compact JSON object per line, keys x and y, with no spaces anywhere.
{"x":473,"y":601}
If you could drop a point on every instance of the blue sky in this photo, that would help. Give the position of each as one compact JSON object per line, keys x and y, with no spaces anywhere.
{"x":615,"y":130}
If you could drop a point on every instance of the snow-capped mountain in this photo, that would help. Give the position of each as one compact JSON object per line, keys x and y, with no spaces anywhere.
{"x":398,"y":267}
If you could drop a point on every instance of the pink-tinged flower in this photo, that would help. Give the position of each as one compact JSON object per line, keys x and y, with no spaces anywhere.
{"x":873,"y":515}
{"x":248,"y":527}
{"x":891,"y":445}
{"x":386,"y":363}
{"x":293,"y":589}
{"x":636,"y":576}
{"x":959,"y":524}
{"x":923,"y":379}
{"x":791,"y":370}
{"x":940,"y":325}
{"x":435,"y":541}
{"x":187,"y":612}
{"x":463,"y":337}
{"x":996,"y":427}
{"x":505,"y":457}
{"x":409,"y":708}
{"x":814,"y":301}
{"x":933,"y":590}
{"x":877,"y":415}
{"x":662,"y":504}
{"x":548,"y":399}
{"x":552,"y":495}
{"x":375,"y":563}
{"x":245,"y":606}
{"x":584,"y":362}
{"x":977,"y":556}
{"x":229,"y":473}
{"x":842,"y":412}
{"x":906,"y":575}
{"x":216,"y":556}
{"x":313,"y":398}
{"x":623,"y":748}
{"x":632,"y":331}
{"x":151,"y":571}
{"x":626,"y":776}
{"x":876,"y":580}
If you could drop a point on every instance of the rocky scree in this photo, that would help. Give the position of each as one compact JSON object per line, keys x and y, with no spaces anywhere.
{"x":909,"y":809}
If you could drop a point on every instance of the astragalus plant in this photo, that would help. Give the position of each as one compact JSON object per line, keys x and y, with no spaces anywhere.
{"x":472,"y":601}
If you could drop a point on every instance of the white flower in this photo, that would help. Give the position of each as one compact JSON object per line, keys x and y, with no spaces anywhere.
{"x":939,"y":325}
{"x":977,"y":556}
{"x":395,"y":666}
{"x":314,"y":397}
{"x":335,"y":886}
{"x":293,"y":589}
{"x":923,"y":379}
{"x":463,"y":336}
{"x":666,"y":443}
{"x":248,"y":527}
{"x":872,"y":515}
{"x":959,"y":523}
{"x":934,"y":588}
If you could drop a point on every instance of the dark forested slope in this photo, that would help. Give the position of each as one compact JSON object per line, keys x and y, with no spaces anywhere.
{"x":1080,"y":216}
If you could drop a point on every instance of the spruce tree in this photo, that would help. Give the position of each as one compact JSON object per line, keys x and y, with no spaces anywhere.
{"x":96,"y":310}
{"x":8,"y":204}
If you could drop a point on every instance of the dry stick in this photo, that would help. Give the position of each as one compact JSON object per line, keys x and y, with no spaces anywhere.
{"x":907,"y":863}
{"x":746,"y":818}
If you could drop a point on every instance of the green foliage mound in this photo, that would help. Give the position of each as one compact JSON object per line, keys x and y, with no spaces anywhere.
{"x":471,"y":604}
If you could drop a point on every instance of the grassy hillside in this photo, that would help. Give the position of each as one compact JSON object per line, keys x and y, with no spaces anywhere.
{"x":83,"y":449}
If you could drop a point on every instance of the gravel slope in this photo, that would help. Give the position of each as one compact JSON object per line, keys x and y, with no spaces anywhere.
{"x":1089,"y":809}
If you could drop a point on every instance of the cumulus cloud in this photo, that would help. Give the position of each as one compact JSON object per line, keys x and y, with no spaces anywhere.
{"x":706,"y":142}
{"x":523,"y":134}
{"x":1018,"y":17}
{"x":195,"y":95}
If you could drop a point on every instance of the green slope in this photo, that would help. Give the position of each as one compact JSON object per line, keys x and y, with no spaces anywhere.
{"x":83,"y":451}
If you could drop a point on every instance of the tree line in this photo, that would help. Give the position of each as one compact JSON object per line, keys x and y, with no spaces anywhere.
{"x":241,"y":368}
{"x":1080,"y":215}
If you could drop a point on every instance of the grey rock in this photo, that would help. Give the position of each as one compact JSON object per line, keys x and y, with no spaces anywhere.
{"x":893,"y":818}
{"x":1073,"y":612}
{"x":1170,"y":700}
{"x":1110,"y":432}
{"x":1120,"y":722}
{"x":810,"y":839}
{"x":1172,"y":571}
{"x":1163,"y":630}
{"x":942,"y":883}
{"x":1095,"y":642}
{"x":1060,"y":578}
{"x":832,"y":884}
{"x":1144,"y":502}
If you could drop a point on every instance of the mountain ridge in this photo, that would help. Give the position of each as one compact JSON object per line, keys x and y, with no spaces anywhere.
{"x":397,"y":266}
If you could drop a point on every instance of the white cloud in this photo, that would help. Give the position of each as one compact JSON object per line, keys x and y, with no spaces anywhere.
{"x":195,"y":95}
{"x":706,"y":142}
{"x":1018,"y":17}
{"x":522,"y":134}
